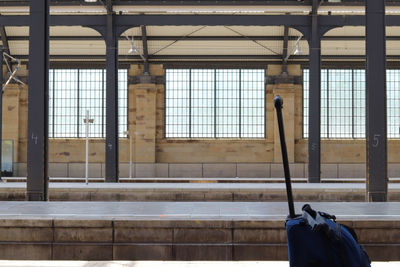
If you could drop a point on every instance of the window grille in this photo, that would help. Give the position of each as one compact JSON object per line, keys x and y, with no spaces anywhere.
{"x":215,"y":103}
{"x":72,"y":92}
{"x":393,"y":103}
{"x":344,"y":112}
{"x":342,"y":103}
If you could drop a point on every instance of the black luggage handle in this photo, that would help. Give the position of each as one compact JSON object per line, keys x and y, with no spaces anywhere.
{"x":278,"y":102}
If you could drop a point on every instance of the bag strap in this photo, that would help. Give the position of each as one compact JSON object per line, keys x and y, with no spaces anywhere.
{"x":332,"y":236}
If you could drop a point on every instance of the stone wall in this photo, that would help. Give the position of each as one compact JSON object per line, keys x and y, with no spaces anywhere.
{"x":162,"y":238}
{"x":155,"y":155}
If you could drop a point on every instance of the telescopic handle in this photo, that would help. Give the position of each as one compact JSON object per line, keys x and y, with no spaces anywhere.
{"x":278,"y":103}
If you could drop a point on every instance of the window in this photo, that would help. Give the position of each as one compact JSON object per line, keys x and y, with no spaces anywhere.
{"x":215,"y":103}
{"x":72,"y":92}
{"x":393,"y":103}
{"x":343,"y":103}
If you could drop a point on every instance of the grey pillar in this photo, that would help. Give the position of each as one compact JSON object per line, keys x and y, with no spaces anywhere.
{"x":37,"y":182}
{"x":111,"y":98}
{"x":376,"y":128}
{"x":145,"y":50}
{"x":314,"y":121}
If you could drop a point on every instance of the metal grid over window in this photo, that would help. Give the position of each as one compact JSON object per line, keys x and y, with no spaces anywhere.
{"x":393,"y":103}
{"x":72,"y":92}
{"x":342,"y":103}
{"x":215,"y":103}
{"x":359,"y":103}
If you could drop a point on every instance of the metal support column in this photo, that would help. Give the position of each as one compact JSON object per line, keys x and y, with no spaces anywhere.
{"x":111,"y":98}
{"x":376,"y":128}
{"x":145,"y":50}
{"x":4,"y":40}
{"x":314,"y":124}
{"x":285,"y":49}
{"x":37,"y":181}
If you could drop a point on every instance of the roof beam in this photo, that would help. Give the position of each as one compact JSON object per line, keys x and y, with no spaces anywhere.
{"x":192,"y":2}
{"x":163,"y":3}
{"x":293,"y":58}
{"x":129,"y":21}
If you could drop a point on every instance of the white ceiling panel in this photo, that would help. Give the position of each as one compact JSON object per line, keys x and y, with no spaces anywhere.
{"x":72,"y":31}
{"x":347,"y":31}
{"x":19,"y":48}
{"x":209,"y":31}
{"x":343,"y":48}
{"x":171,"y":30}
{"x":393,"y":47}
{"x":210,"y":48}
{"x":77,"y":48}
{"x":293,"y":32}
{"x":393,"y":31}
{"x":134,"y":31}
{"x":17,"y":31}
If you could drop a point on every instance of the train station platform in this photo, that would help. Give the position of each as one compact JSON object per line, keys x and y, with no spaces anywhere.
{"x":182,"y":231}
{"x":326,"y":192}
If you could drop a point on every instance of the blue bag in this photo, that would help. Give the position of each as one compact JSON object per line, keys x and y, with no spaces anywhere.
{"x":314,"y":238}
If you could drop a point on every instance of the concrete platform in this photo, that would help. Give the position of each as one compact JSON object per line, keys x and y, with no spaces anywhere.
{"x":223,"y":231}
{"x":197,"y":180}
{"x":349,"y":192}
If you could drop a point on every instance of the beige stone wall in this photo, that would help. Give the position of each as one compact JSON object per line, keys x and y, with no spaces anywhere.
{"x":146,"y":125}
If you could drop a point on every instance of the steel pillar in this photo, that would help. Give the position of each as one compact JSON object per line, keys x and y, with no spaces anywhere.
{"x":285,"y":49}
{"x":4,"y":40}
{"x":145,"y":50}
{"x":37,"y":181}
{"x":111,"y":98}
{"x":314,"y":120}
{"x":376,"y":127}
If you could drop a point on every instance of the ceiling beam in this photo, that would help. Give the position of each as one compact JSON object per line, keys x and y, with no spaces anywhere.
{"x":194,"y":2}
{"x":203,"y":38}
{"x":293,"y":58}
{"x":165,"y":3}
{"x":130,"y":21}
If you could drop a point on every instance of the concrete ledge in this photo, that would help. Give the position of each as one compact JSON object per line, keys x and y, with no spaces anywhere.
{"x":248,"y":192}
{"x":220,"y":231}
{"x":208,"y":170}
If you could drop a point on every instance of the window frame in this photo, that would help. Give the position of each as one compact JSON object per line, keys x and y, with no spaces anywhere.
{"x":78,"y":121}
{"x":390,"y":135}
{"x":354,"y":135}
{"x":216,"y":67}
